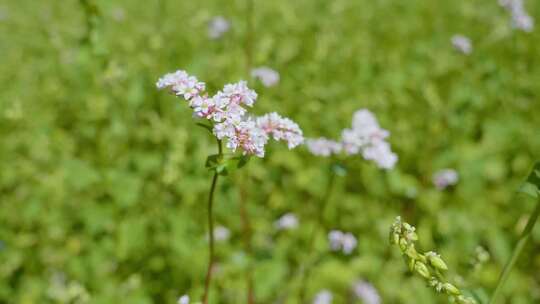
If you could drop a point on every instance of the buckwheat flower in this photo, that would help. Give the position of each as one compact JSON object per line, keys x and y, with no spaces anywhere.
{"x":444,"y":178}
{"x":267,"y":76}
{"x":366,"y":292}
{"x":288,"y":221}
{"x":239,"y":93}
{"x":323,"y":297}
{"x":462,"y":44}
{"x":181,"y":84}
{"x":249,"y":138}
{"x":367,"y":138}
{"x":281,"y":128}
{"x":323,"y":147}
{"x":348,"y":243}
{"x":221,"y":234}
{"x":380,"y":153}
{"x":183,"y":299}
{"x":203,"y":106}
{"x":335,"y":237}
{"x":217,"y":27}
{"x":523,"y":21}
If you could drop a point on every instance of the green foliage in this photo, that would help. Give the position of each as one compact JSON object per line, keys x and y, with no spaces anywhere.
{"x":103,"y":187}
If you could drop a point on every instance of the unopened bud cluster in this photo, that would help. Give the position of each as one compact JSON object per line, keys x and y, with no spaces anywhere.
{"x":430,"y":266}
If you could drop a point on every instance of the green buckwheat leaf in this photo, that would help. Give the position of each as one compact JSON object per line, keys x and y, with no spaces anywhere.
{"x":532,"y":185}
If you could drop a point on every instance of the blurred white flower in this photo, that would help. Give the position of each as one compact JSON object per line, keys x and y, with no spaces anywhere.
{"x":323,"y":147}
{"x":339,"y":240}
{"x":323,"y":297}
{"x":281,"y":128}
{"x":462,"y":44}
{"x":287,"y":222}
{"x":221,"y":234}
{"x":217,"y":27}
{"x":226,"y":109}
{"x":366,"y":292}
{"x":267,"y":76}
{"x":444,"y":178}
{"x":521,"y":20}
{"x":183,"y":299}
{"x":368,"y":138}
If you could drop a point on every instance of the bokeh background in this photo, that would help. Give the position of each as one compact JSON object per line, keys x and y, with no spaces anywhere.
{"x":102,"y":179}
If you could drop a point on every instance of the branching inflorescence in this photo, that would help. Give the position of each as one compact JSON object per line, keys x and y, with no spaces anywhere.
{"x":365,"y":137}
{"x":227,"y":112}
{"x":430,"y":266}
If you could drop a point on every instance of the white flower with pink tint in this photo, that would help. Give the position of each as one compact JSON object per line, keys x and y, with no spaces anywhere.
{"x":366,"y":292}
{"x":323,"y":146}
{"x":288,"y":221}
{"x":239,"y":93}
{"x":183,"y":299}
{"x":217,"y":27}
{"x":341,"y":241}
{"x":445,"y":178}
{"x":323,"y":297}
{"x":462,"y":44}
{"x":281,"y":128}
{"x":181,"y":84}
{"x":267,"y":76}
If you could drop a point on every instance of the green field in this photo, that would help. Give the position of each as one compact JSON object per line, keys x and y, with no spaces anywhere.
{"x":103,"y":184}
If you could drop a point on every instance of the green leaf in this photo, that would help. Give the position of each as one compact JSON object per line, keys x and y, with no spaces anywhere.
{"x":532,"y":185}
{"x":226,"y":163}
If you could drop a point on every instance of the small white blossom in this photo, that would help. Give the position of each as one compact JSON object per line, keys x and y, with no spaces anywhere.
{"x":183,"y":299}
{"x":462,"y":44}
{"x":366,"y":292}
{"x":217,"y":27}
{"x":281,"y":128}
{"x":249,"y":138}
{"x":221,"y":234}
{"x":323,"y":297}
{"x":287,"y":222}
{"x":444,"y":178}
{"x":266,"y":75}
{"x":239,"y":93}
{"x":323,"y":147}
{"x":340,"y":241}
{"x":181,"y":84}
{"x":368,"y":138}
{"x":521,"y":20}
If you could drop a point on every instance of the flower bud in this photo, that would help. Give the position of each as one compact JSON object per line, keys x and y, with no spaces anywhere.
{"x":422,"y":269}
{"x":436,"y":261}
{"x":451,"y":289}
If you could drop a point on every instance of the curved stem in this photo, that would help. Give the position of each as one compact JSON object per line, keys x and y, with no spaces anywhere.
{"x":313,"y":236}
{"x":525,"y":235}
{"x":208,"y":279}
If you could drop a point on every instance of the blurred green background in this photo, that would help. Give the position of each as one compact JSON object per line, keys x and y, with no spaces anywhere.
{"x":102,"y":180}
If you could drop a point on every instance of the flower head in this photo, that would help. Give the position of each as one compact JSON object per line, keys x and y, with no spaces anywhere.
{"x":281,"y":128}
{"x":287,"y":221}
{"x":183,"y":299}
{"x":445,"y":178}
{"x":323,"y":297}
{"x":323,"y":147}
{"x":462,"y":44}
{"x":521,"y":20}
{"x":181,"y":84}
{"x":217,"y":27}
{"x":340,"y":241}
{"x":266,"y":75}
{"x":221,"y":233}
{"x":366,"y":292}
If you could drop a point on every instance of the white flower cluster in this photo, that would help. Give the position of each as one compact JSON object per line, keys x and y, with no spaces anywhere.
{"x":444,"y":178}
{"x":267,"y":76}
{"x":520,"y":18}
{"x":183,"y":299}
{"x":221,"y":234}
{"x":288,"y":221}
{"x":365,"y":137}
{"x":323,"y":297}
{"x":226,"y":110}
{"x":341,"y":241}
{"x":217,"y":27}
{"x":366,"y":292}
{"x":462,"y":44}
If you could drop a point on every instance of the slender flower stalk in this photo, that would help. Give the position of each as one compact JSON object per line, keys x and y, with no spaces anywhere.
{"x":211,"y":230}
{"x":247,"y":238}
{"x":525,"y":235}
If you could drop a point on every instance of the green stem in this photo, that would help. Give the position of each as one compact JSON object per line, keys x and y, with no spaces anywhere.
{"x":525,"y":235}
{"x":313,"y":236}
{"x":208,"y":279}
